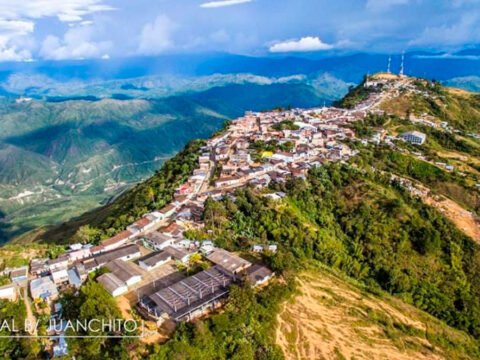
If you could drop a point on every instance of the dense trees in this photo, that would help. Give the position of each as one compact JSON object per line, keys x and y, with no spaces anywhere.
{"x":12,"y":316}
{"x":370,"y":229}
{"x":285,"y":125}
{"x":244,"y":330}
{"x":94,"y":303}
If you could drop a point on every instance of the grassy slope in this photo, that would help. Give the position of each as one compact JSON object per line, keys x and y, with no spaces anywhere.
{"x":376,"y":238}
{"x":461,"y":110}
{"x":332,"y":316}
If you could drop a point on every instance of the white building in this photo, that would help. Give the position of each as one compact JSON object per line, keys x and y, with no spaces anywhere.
{"x":8,"y":292}
{"x":60,"y":276}
{"x":112,"y":284}
{"x":414,"y":137}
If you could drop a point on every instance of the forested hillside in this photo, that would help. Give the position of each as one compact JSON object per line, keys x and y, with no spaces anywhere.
{"x":59,"y":159}
{"x":365,"y":227}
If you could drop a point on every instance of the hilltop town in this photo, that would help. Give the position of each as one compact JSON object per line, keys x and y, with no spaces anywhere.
{"x":147,"y":263}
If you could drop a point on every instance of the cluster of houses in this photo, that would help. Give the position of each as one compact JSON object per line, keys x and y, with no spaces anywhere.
{"x":315,"y":137}
{"x":157,"y":238}
{"x":151,"y":250}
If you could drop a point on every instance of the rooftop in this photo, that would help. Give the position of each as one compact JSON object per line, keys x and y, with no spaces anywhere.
{"x":228,"y":260}
{"x":110,"y":282}
{"x":189,"y":294}
{"x":123,"y":270}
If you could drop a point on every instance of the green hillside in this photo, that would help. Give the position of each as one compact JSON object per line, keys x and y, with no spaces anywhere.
{"x":372,"y":234}
{"x":75,"y":155}
{"x":352,"y":242}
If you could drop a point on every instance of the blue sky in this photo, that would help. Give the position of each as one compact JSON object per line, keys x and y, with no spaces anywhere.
{"x":81,"y":29}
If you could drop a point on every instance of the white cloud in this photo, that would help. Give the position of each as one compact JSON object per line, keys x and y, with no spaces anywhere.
{"x":77,"y":43}
{"x":305,"y":44}
{"x":64,"y":10}
{"x":17,"y":23}
{"x":12,"y":53}
{"x":462,"y":32}
{"x":156,"y":37}
{"x":11,"y":33}
{"x":222,"y":3}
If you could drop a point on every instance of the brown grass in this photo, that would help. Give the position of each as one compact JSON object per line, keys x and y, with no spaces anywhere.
{"x":332,"y":319}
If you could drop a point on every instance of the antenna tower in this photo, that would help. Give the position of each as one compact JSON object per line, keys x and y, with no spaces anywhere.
{"x":402,"y":65}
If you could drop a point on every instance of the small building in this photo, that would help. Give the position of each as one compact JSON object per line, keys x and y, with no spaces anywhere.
{"x":127,"y":272}
{"x":228,"y":181}
{"x":229,"y":262}
{"x":154,"y":260}
{"x":257,"y":248}
{"x":178,"y":254}
{"x":75,"y":247}
{"x":272,"y":248}
{"x":74,"y":278}
{"x":8,"y":292}
{"x":184,"y":243}
{"x":207,"y":246}
{"x":38,"y":267}
{"x":60,"y":276}
{"x":112,"y":284}
{"x":258,"y":275}
{"x":414,"y":137}
{"x":43,"y":288}
{"x":141,"y":225}
{"x":173,"y":230}
{"x":81,"y":271}
{"x":20,"y":274}
{"x":116,"y":241}
{"x":79,"y":254}
{"x":167,"y":211}
{"x":158,"y":241}
{"x":59,"y":263}
{"x":126,"y":253}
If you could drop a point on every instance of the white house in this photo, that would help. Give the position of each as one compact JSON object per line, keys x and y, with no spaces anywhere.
{"x":8,"y":292}
{"x":154,"y":260}
{"x":127,"y":272}
{"x":228,"y":181}
{"x":167,"y":211}
{"x":158,"y":241}
{"x":112,"y":284}
{"x":59,"y":276}
{"x":43,"y":288}
{"x":78,"y":254}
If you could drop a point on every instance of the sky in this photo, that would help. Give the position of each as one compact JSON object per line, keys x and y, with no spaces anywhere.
{"x":33,"y":30}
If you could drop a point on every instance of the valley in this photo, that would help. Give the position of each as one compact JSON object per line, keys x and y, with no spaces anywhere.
{"x":60,"y":159}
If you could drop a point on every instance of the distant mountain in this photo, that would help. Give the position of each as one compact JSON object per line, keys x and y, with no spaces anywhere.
{"x":350,"y":67}
{"x":59,"y":159}
{"x":73,"y":134}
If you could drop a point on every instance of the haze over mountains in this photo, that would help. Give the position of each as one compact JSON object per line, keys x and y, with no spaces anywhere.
{"x":86,"y":130}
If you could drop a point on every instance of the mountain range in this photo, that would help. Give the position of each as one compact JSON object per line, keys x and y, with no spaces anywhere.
{"x":75,"y":134}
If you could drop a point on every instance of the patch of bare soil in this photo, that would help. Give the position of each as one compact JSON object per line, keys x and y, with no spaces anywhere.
{"x":332,"y":320}
{"x":151,"y":333}
{"x":465,"y":220}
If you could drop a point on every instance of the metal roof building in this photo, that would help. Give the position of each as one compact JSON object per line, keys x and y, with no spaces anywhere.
{"x":189,"y":297}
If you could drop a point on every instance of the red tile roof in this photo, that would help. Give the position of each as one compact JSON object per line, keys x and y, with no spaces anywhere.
{"x":117,"y":238}
{"x":166,"y":209}
{"x":142,"y":222}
